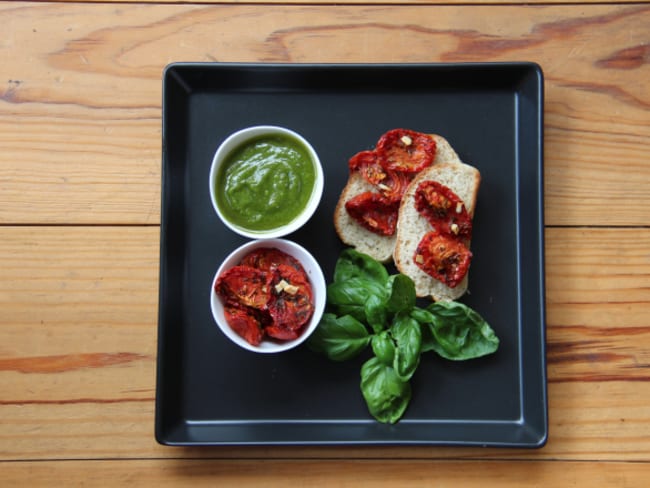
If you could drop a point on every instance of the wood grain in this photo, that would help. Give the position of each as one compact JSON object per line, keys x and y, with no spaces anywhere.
{"x":597,"y":298}
{"x":346,"y":2}
{"x":592,"y":421}
{"x":78,"y":339}
{"x":80,"y":99}
{"x":80,"y":152}
{"x":340,"y":473}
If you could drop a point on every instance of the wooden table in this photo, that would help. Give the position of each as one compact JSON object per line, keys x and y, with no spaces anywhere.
{"x":80,"y":159}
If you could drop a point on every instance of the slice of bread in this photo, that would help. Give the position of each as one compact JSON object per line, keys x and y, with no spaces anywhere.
{"x":464,"y":181}
{"x":351,"y":233}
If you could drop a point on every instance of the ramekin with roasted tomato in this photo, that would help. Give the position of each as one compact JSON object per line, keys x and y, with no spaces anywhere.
{"x":268,"y":295}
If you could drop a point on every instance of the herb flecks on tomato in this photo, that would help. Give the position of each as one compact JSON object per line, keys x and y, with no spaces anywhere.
{"x":443,"y":257}
{"x":444,"y":210}
{"x":245,"y":324}
{"x":374,"y":212}
{"x":268,"y":294}
{"x":406,"y":150}
{"x":246,"y":286}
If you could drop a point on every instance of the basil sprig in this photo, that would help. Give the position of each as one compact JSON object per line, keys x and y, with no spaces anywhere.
{"x":367,"y":306}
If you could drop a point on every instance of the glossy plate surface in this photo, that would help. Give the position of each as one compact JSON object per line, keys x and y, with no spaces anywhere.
{"x":210,"y":392}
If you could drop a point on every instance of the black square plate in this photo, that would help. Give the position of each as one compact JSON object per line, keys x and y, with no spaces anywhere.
{"x":210,"y":392}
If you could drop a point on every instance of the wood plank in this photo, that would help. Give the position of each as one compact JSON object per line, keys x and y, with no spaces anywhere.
{"x":353,"y":2}
{"x":78,"y":304}
{"x":78,"y":335}
{"x":597,"y":420}
{"x":340,"y":473}
{"x":598,"y":298}
{"x":80,"y":102}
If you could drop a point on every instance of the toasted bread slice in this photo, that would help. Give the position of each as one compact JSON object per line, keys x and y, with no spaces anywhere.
{"x":351,"y":233}
{"x":464,"y":181}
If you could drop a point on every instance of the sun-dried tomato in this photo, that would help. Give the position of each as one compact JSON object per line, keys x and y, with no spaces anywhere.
{"x":405,"y":150}
{"x":291,"y":304}
{"x":361,"y":160}
{"x":267,"y":294}
{"x":245,"y":285}
{"x":390,"y":184}
{"x":444,"y":210}
{"x":393,"y":185}
{"x":244,"y":322}
{"x":281,"y":333}
{"x":374,"y":212}
{"x":443,"y":257}
{"x":269,"y":258}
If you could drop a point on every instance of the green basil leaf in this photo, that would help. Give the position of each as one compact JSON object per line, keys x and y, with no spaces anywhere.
{"x":383,"y":347}
{"x":425,"y":319}
{"x":376,"y":314}
{"x":401,"y":293}
{"x":353,"y":264}
{"x":339,"y":338}
{"x":347,"y":293}
{"x":460,"y":332}
{"x":407,"y":334}
{"x":349,"y":297}
{"x":353,"y":291}
{"x":385,"y":394}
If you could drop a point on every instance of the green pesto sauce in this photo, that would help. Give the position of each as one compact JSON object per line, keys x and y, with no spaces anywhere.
{"x":265,"y":183}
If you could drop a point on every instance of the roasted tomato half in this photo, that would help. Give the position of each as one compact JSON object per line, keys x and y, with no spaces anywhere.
{"x":246,"y":286}
{"x":267,"y":294}
{"x":374,"y":212}
{"x":394,"y":185}
{"x":362,"y":159}
{"x":245,"y":323}
{"x":269,"y":258}
{"x":291,"y":305}
{"x":390,"y":184}
{"x":444,"y":210}
{"x":443,"y":257}
{"x":405,"y":150}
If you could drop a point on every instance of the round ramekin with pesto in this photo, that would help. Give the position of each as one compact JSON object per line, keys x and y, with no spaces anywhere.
{"x":265,"y":181}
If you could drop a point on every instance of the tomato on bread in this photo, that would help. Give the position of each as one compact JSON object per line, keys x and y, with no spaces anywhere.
{"x":406,"y":150}
{"x":369,"y":171}
{"x":439,"y":213}
{"x":433,"y":244}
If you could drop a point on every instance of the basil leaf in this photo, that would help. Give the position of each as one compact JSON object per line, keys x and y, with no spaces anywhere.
{"x":386,"y":395}
{"x":339,"y":338}
{"x":460,"y":332}
{"x":401,"y":293}
{"x":384,"y":347}
{"x":407,"y":334}
{"x":354,"y":291}
{"x":350,"y":296}
{"x":421,"y":315}
{"x":375,"y":312}
{"x":353,"y":264}
{"x":425,"y":319}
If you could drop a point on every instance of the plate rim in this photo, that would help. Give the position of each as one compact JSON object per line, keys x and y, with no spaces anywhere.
{"x":533,"y":436}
